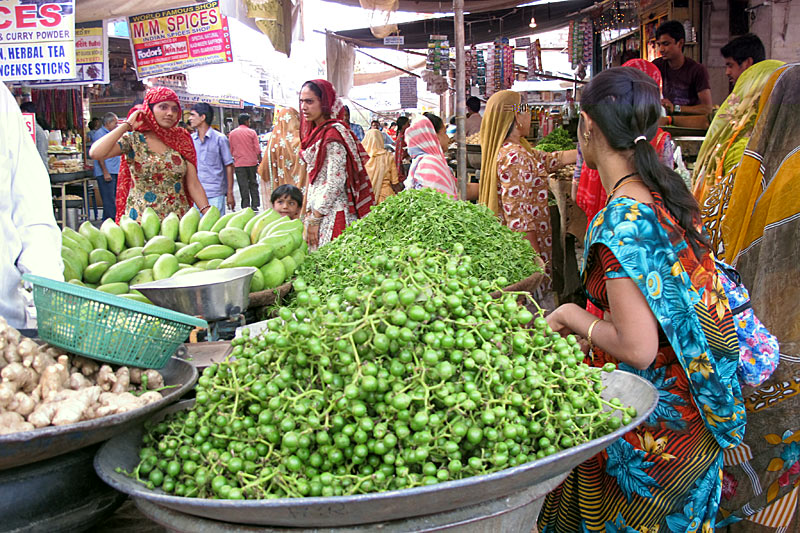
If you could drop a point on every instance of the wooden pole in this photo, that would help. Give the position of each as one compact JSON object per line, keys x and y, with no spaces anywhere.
{"x":461,"y":100}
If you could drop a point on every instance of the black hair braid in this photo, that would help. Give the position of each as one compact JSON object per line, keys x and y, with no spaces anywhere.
{"x":625,"y":104}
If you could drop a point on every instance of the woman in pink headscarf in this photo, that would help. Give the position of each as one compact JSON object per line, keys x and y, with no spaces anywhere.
{"x":339,"y":190}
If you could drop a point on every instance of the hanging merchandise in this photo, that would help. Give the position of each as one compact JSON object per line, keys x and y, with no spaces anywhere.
{"x":499,"y":67}
{"x":438,"y":54}
{"x":534,"y":59}
{"x":581,"y":38}
{"x":437,"y":64}
{"x":508,"y":65}
{"x":470,"y":68}
{"x":480,"y":79}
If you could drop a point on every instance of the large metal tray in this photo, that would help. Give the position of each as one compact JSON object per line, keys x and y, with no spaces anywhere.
{"x":31,"y":446}
{"x":122,"y":452}
{"x":61,"y":177}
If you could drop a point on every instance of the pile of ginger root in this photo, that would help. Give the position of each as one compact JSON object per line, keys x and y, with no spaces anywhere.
{"x":41,"y":385}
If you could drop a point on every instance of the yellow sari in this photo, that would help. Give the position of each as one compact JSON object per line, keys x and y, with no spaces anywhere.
{"x":760,"y":230}
{"x":380,"y":167}
{"x":724,"y":145}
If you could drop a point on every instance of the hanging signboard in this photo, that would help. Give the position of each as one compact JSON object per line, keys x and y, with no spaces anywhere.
{"x":181,"y":38}
{"x":37,"y":40}
{"x":91,"y":56}
{"x":408,"y":92}
{"x":30,"y":124}
{"x":394,"y":40}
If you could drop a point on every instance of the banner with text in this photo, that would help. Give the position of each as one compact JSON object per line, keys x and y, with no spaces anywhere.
{"x":181,"y":38}
{"x":91,"y":56}
{"x":37,"y":40}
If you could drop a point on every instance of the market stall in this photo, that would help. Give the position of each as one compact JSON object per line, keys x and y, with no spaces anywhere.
{"x":181,"y":265}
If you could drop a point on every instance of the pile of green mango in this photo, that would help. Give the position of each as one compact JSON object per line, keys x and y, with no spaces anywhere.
{"x":115,"y":257}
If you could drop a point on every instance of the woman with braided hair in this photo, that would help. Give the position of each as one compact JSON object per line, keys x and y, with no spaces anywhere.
{"x":648,"y":267}
{"x":159,"y":164}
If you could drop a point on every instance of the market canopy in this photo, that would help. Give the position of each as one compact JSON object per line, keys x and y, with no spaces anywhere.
{"x":435,"y":6}
{"x":481,"y":27}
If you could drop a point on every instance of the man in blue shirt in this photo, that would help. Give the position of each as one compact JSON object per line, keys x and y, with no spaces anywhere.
{"x":106,"y":170}
{"x":214,"y":159}
{"x":355,"y":128}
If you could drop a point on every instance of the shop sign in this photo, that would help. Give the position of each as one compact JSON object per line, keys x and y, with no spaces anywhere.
{"x":30,"y":124}
{"x":37,"y":40}
{"x":221,"y":101}
{"x":91,"y":56}
{"x":408,"y":92}
{"x":181,"y":38}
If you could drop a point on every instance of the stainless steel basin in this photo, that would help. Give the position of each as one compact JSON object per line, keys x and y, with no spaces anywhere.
{"x":213,"y":295}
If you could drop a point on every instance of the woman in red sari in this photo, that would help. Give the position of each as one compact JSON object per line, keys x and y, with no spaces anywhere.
{"x":339,"y":190}
{"x":159,"y":164}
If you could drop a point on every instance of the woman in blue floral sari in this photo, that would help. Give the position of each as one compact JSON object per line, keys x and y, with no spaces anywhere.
{"x":666,"y":318}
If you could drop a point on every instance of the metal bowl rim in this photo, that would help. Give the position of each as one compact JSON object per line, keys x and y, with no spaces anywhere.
{"x":160,"y":497}
{"x":239,"y":273}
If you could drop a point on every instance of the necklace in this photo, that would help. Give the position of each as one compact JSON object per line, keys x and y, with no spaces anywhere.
{"x":622,"y":181}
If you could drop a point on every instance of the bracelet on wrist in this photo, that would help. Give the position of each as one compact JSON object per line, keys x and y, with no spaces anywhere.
{"x":204,"y":208}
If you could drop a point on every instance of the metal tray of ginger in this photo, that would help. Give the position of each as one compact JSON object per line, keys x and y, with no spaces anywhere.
{"x":26,"y":447}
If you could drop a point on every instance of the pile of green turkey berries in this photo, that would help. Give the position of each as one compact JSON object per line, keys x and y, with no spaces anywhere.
{"x":419,"y":379}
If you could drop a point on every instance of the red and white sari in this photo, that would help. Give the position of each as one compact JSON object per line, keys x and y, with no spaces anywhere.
{"x":338,"y":184}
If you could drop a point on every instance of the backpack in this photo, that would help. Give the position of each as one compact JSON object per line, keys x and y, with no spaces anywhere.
{"x":759,"y":351}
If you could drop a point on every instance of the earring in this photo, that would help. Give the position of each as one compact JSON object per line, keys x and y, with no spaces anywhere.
{"x":586,"y":136}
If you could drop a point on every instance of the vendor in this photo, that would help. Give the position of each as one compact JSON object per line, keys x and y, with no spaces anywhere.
{"x":30,"y":237}
{"x":686,"y":88}
{"x":473,"y":122}
{"x":513,"y":175}
{"x":740,"y":54}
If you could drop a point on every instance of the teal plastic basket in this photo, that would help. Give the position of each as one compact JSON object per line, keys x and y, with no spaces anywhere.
{"x":107,"y":327}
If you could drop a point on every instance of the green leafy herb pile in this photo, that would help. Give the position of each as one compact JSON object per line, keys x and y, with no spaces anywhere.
{"x":557,"y":140}
{"x":419,"y":378}
{"x":432,"y":220}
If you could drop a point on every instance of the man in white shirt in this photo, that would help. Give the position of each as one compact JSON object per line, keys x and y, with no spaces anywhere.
{"x":30,"y":240}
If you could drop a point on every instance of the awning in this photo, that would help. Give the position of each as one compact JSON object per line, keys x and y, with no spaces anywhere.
{"x":481,"y":27}
{"x":442,"y":6}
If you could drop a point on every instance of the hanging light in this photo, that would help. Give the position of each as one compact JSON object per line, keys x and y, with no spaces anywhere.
{"x":533,"y":22}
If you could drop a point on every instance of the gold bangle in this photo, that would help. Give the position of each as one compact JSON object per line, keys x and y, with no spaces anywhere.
{"x":591,"y":329}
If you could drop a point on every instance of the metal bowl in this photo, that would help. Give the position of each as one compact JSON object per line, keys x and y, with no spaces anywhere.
{"x":25,"y":447}
{"x":474,"y":156}
{"x":123,"y":452}
{"x":213,"y":295}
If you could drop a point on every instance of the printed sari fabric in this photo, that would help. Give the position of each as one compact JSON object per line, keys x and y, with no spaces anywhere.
{"x":523,"y":193}
{"x":282,"y":163}
{"x":380,"y":167}
{"x":338,"y":184}
{"x":137,"y":187}
{"x":761,"y":228}
{"x":723,"y":148}
{"x":665,"y":475}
